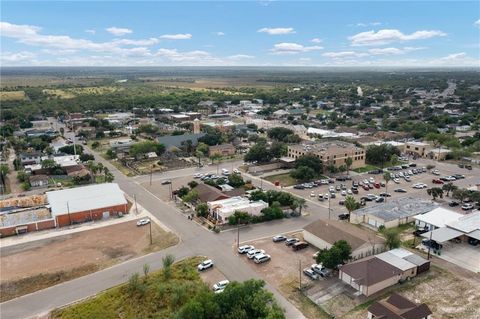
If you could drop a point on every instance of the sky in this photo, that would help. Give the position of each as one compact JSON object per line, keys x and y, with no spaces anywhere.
{"x":247,"y":33}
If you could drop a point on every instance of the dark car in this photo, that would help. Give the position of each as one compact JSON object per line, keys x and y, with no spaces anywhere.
{"x":299,"y":186}
{"x":380,"y":200}
{"x":420,"y":231}
{"x":341,"y":202}
{"x":343,"y":216}
{"x":432,"y":244}
{"x":366,"y":199}
{"x":166,"y":182}
{"x":400,"y":190}
{"x":453,"y":204}
{"x":458,"y":176}
{"x":355,"y":190}
{"x":412,"y":165}
{"x":299,"y":245}
{"x":473,"y":241}
{"x":341,"y":178}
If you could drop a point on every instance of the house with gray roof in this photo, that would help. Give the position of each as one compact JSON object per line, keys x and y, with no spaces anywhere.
{"x":392,"y":213}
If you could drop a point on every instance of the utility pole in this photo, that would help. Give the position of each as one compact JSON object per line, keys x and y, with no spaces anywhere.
{"x":238,"y":234}
{"x":429,"y":245}
{"x":300,"y":274}
{"x":151,"y":173}
{"x":150,"y":224}
{"x":136,"y":207}
{"x":69,"y":217}
{"x":329,"y":206}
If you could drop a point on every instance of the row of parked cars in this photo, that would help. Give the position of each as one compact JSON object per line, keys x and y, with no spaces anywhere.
{"x":257,"y":255}
{"x":316,"y":271}
{"x":293,"y":242}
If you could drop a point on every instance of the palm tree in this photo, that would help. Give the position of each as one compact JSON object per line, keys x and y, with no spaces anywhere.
{"x":300,"y":203}
{"x":387,"y":178}
{"x":351,"y":204}
{"x":348,"y":163}
{"x":449,"y":187}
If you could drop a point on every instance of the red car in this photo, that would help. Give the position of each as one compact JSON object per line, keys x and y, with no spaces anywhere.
{"x":437,"y":181}
{"x":365,"y":187}
{"x":377,"y":185}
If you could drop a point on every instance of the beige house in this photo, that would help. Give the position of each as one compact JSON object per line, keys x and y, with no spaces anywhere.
{"x":418,"y":148}
{"x":222,"y":150}
{"x":375,"y":273}
{"x":324,"y":233}
{"x":330,"y":152}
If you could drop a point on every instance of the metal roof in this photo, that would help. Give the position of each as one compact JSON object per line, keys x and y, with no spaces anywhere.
{"x":467,"y":223}
{"x":396,"y":261}
{"x":439,"y":217}
{"x":443,"y":234}
{"x":85,"y":198}
{"x":398,"y":208}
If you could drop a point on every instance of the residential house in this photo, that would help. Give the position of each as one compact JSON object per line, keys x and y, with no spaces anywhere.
{"x":224,"y":208}
{"x":222,"y":150}
{"x":398,"y":307}
{"x":29,"y":158}
{"x":38,"y":180}
{"x":324,"y":233}
{"x":207,"y":193}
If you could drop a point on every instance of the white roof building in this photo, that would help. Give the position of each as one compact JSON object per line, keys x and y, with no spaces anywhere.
{"x":328,"y":133}
{"x":468,"y":225}
{"x":85,"y":198}
{"x":224,"y":208}
{"x":439,"y":217}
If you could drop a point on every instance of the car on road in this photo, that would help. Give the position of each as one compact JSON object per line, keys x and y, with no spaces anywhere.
{"x":252,"y":253}
{"x":399,"y":190}
{"x":291,"y":241}
{"x":279,"y":238}
{"x":220,"y":286}
{"x":245,"y":249}
{"x":437,"y":181}
{"x":453,"y":204}
{"x":143,"y":221}
{"x":205,"y":265}
{"x":344,"y":216}
{"x":311,"y":274}
{"x":300,"y":245}
{"x":467,"y":206}
{"x":261,"y":258}
{"x":166,"y":182}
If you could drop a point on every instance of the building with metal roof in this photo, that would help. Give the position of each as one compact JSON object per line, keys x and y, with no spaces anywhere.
{"x":392,"y":213}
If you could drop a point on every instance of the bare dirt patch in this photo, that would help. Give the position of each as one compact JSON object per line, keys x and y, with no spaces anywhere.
{"x":32,"y":266}
{"x":12,"y":95}
{"x":212,"y":276}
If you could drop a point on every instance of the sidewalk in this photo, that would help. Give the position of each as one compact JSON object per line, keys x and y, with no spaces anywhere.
{"x":51,"y":233}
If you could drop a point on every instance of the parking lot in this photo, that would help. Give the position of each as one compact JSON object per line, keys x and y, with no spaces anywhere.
{"x":312,"y":194}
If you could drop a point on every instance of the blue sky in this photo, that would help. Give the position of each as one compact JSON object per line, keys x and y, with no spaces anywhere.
{"x":263,"y":33}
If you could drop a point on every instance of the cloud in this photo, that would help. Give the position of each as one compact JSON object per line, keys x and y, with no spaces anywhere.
{"x":477,"y":23}
{"x":276,"y":31}
{"x":220,"y":33}
{"x":17,"y":57}
{"x":118,"y":31}
{"x":364,"y":24}
{"x":91,"y":31}
{"x":141,"y":42}
{"x":240,"y":56}
{"x":316,"y":40}
{"x":386,"y":36}
{"x":344,"y":54}
{"x":293,"y":48}
{"x":178,"y":36}
{"x":393,"y":51}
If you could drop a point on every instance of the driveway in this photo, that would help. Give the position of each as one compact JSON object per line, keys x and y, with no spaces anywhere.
{"x":463,"y":255}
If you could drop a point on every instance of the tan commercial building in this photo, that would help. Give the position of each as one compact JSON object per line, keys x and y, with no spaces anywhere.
{"x":416,"y":148}
{"x":222,"y":150}
{"x":330,"y":152}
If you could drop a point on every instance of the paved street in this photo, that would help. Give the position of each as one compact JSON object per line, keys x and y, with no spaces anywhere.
{"x":195,"y":240}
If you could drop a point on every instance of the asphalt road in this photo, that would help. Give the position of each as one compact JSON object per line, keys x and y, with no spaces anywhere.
{"x":195,"y":240}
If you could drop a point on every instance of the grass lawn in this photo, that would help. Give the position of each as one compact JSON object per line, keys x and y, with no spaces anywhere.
{"x":364,"y":169}
{"x":285,"y":179}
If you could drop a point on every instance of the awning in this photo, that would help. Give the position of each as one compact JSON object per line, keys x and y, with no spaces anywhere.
{"x":442,"y":234}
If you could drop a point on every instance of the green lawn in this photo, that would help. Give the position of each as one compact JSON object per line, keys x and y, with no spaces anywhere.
{"x":285,"y":179}
{"x":364,"y":169}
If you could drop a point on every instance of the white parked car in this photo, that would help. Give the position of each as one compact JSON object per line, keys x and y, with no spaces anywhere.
{"x":245,"y":249}
{"x":220,"y":286}
{"x":436,"y":172}
{"x":261,"y":258}
{"x":371,"y":180}
{"x":279,"y":238}
{"x":252,"y":253}
{"x":450,"y":178}
{"x":312,"y":194}
{"x":343,"y":193}
{"x":205,"y":264}
{"x":143,"y":221}
{"x":396,"y":181}
{"x":197,"y":175}
{"x":419,"y":185}
{"x":467,"y":206}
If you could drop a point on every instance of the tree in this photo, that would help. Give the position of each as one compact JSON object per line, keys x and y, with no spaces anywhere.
{"x":392,"y":238}
{"x":460,"y":194}
{"x":4,"y":170}
{"x":86,"y":157}
{"x":351,"y":204}
{"x":379,"y":154}
{"x":142,"y":148}
{"x":239,"y":217}
{"x":202,"y":210}
{"x":300,"y":203}
{"x":203,"y":148}
{"x":215,"y":157}
{"x":191,"y":196}
{"x":449,"y":187}
{"x":387,"y":178}
{"x":49,"y":164}
{"x":259,"y":152}
{"x":62,"y":131}
{"x":435,"y":192}
{"x":70,"y":149}
{"x":111,"y":153}
{"x":236,"y":180}
{"x":167,"y":263}
{"x":338,"y":254}
{"x":303,"y":173}
{"x":394,"y":159}
{"x":348,"y":164}
{"x":273,"y":212}
{"x":430,"y":167}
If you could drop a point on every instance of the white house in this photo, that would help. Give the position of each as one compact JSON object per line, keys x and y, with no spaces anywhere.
{"x":224,"y":208}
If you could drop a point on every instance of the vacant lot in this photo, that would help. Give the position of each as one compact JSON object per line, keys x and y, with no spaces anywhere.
{"x":284,"y":179}
{"x":12,"y":95}
{"x":37,"y":265}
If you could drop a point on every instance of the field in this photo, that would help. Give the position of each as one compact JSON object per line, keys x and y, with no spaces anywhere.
{"x":209,"y":83}
{"x":285,"y":179}
{"x":12,"y":95}
{"x":40,"y":264}
{"x":73,"y":92}
{"x":365,"y":168}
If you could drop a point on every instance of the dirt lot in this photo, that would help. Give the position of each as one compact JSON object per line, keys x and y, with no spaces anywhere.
{"x":212,"y":276}
{"x":37,"y":265}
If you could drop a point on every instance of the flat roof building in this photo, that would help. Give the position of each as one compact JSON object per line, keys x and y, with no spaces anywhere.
{"x":224,"y":208}
{"x":330,"y":152}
